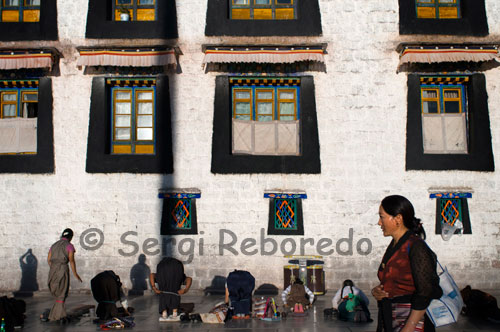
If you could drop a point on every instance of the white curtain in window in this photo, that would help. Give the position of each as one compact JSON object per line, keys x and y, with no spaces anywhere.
{"x":18,"y":135}
{"x":266,"y":137}
{"x":444,"y":133}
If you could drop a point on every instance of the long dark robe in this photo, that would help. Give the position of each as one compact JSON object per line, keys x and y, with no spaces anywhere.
{"x":59,"y":278}
{"x":240,"y":285}
{"x":169,"y":277}
{"x":106,"y":291}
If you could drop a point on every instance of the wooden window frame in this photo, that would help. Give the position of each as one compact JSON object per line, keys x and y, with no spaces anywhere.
{"x":294,"y":101}
{"x":133,"y":9}
{"x":273,"y":6}
{"x":20,"y":9}
{"x":257,"y":101}
{"x":437,"y":4}
{"x":237,"y":100}
{"x":134,"y":142}
{"x":16,"y":102}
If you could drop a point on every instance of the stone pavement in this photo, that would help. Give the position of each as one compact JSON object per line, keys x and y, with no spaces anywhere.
{"x":146,"y":317}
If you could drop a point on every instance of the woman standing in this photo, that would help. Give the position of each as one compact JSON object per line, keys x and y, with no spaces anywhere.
{"x":407,"y":274}
{"x":60,"y":254}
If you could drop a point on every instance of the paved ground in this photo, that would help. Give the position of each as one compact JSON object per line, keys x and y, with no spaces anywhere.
{"x":146,"y":317}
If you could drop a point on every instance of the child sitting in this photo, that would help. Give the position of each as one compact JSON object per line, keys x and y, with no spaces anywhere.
{"x":298,"y":296}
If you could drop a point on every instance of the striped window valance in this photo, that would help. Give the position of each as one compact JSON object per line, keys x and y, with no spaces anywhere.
{"x":444,"y":79}
{"x":137,"y":57}
{"x":291,"y":54}
{"x":437,"y":54}
{"x":19,"y":59}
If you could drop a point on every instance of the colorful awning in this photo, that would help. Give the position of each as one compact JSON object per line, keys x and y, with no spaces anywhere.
{"x":18,"y":59}
{"x":127,"y":57}
{"x":435,"y":54}
{"x":222,"y":54}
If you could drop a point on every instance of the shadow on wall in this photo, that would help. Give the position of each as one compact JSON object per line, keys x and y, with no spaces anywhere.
{"x":217,"y":287}
{"x":29,"y":266}
{"x":139,"y":275}
{"x":266,"y":289}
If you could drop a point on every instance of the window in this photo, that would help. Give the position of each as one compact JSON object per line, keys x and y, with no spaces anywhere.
{"x":20,"y":10}
{"x":443,"y":17}
{"x":136,"y":10}
{"x":265,"y":125}
{"x":285,"y":213}
{"x":444,"y":115}
{"x":18,"y":116}
{"x":442,"y":9}
{"x":26,"y":130}
{"x":129,"y":126}
{"x":263,"y":18}
{"x":452,"y":210}
{"x":179,"y":213}
{"x":265,"y":116}
{"x":448,"y":126}
{"x":133,"y":115}
{"x":263,"y":9}
{"x":132,"y":19}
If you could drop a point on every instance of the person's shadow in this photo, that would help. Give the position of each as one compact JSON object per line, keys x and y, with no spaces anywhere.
{"x":29,"y":284}
{"x":139,"y":275}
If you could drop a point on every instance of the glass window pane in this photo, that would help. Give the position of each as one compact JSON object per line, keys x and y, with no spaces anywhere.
{"x":124,"y":2}
{"x":284,"y":2}
{"x":122,"y":95}
{"x":146,"y":2}
{"x":430,"y":107}
{"x":287,"y":108}
{"x":425,"y":1}
{"x":452,"y":107}
{"x":287,"y":118}
{"x":265,"y":118}
{"x":9,"y":97}
{"x":9,"y":110}
{"x":145,"y":108}
{"x":262,"y":2}
{"x":242,"y":108}
{"x":446,"y":1}
{"x":287,"y":95}
{"x":265,"y":108}
{"x":240,"y":2}
{"x":144,"y":134}
{"x":32,"y":2}
{"x":30,"y":97}
{"x":145,"y":95}
{"x":243,"y":117}
{"x":123,"y":108}
{"x":145,"y":121}
{"x":122,"y":121}
{"x":429,"y":94}
{"x":451,"y":94}
{"x":122,"y":134}
{"x":264,"y":95}
{"x":11,"y":3}
{"x":242,"y":94}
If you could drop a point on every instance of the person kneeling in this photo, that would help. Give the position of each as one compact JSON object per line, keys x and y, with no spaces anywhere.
{"x":107,"y":290}
{"x":298,"y":296}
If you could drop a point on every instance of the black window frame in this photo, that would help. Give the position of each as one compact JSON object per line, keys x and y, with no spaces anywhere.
{"x":45,"y":29}
{"x":472,"y":23}
{"x":43,"y":161}
{"x":166,"y":220}
{"x":100,"y":22}
{"x":480,"y":153}
{"x":272,"y":230}
{"x":224,"y":162}
{"x":467,"y":229}
{"x":99,"y":157}
{"x":218,"y":22}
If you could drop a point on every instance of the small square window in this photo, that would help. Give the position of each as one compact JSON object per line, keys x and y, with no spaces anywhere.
{"x":19,"y":10}
{"x":285,"y":214}
{"x":440,"y":9}
{"x":263,"y":9}
{"x":452,"y":210}
{"x":179,"y":213}
{"x":134,"y":10}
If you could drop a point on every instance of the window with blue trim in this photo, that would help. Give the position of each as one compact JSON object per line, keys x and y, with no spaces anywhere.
{"x":263,"y":9}
{"x":444,"y":115}
{"x":440,"y":9}
{"x":179,"y":213}
{"x":135,"y":10}
{"x":20,"y":10}
{"x":452,"y":212}
{"x":133,"y":116}
{"x":18,"y":116}
{"x":265,"y":116}
{"x":285,"y":213}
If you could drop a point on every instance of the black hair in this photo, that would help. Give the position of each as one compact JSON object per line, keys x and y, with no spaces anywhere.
{"x":347,"y":283}
{"x":67,"y":234}
{"x":396,"y":204}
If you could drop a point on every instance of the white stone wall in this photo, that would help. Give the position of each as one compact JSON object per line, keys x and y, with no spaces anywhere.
{"x":361,"y":109}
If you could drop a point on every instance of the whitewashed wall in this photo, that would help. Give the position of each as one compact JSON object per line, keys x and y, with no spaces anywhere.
{"x":361,"y":109}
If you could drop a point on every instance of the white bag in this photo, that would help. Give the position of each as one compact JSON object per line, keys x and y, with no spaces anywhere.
{"x":446,"y":310}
